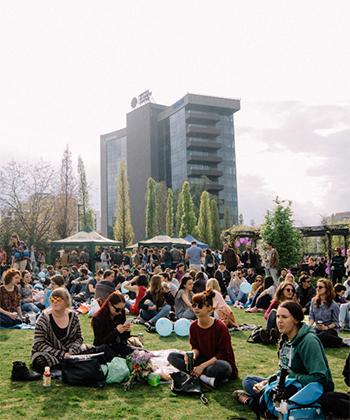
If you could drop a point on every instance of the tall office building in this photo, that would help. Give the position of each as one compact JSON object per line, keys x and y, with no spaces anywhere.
{"x":192,"y":139}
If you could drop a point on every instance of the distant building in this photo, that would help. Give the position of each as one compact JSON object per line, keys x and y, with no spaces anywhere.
{"x":192,"y":139}
{"x":339,"y":217}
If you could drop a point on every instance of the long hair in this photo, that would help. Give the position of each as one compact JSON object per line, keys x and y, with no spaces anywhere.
{"x":157,"y":291}
{"x":330,"y":293}
{"x":23,"y":273}
{"x":295,"y":309}
{"x":185,"y":279}
{"x":63,"y":293}
{"x":279,"y":295}
{"x":104,"y":313}
{"x":213,"y":284}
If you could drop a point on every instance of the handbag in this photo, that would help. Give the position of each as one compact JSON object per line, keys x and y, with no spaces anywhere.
{"x":184,"y":384}
{"x":85,"y":371}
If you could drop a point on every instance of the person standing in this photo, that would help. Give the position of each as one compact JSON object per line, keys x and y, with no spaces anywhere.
{"x":19,"y":253}
{"x":194,"y":256}
{"x":230,"y":258}
{"x":272,"y":260}
{"x":338,"y":266}
{"x":248,"y":258}
{"x":223,"y":276}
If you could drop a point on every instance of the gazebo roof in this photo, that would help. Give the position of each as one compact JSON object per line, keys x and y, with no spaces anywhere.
{"x":81,"y":238}
{"x":164,"y":240}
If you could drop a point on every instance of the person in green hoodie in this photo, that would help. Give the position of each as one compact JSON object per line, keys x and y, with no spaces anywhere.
{"x":300,"y":351}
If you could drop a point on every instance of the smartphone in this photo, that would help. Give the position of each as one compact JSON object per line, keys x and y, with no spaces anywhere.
{"x":127,"y":322}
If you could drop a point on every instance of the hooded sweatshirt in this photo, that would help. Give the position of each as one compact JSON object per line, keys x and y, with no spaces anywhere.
{"x":305,"y":358}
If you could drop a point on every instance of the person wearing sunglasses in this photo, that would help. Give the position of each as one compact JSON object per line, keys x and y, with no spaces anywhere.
{"x":110,"y":326}
{"x":285,"y":291}
{"x":214,"y":360}
{"x":57,"y":333}
{"x":305,"y":292}
{"x":324,"y":314}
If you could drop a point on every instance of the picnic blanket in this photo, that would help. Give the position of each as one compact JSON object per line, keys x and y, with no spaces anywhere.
{"x":163,"y":368}
{"x":19,"y":327}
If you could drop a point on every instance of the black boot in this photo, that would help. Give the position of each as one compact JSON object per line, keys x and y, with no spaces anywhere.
{"x":20,"y":372}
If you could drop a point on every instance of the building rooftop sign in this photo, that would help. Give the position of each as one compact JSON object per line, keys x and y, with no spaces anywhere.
{"x":142,"y":99}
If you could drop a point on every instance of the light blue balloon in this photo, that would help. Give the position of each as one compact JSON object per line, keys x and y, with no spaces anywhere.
{"x":164,"y":327}
{"x":122,"y":289}
{"x":245,"y":287}
{"x":182,"y":327}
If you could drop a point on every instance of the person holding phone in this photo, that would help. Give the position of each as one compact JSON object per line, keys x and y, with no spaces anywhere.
{"x":110,"y":326}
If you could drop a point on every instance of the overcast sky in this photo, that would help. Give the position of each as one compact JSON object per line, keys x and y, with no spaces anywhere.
{"x":70,"y":68}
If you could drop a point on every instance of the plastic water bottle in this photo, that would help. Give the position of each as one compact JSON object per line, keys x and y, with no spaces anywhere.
{"x":153,"y":379}
{"x":47,"y":377}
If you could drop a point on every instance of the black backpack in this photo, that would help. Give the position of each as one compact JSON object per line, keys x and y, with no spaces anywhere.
{"x":83,"y":372}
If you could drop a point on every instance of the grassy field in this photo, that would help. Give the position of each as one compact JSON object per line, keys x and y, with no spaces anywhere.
{"x":30,"y":400}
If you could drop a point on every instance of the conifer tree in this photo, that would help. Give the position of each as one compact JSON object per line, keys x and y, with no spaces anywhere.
{"x":170,"y":213}
{"x":161,"y":199}
{"x":205,"y":220}
{"x":151,"y":209}
{"x":122,"y":229}
{"x":86,"y":219}
{"x":188,"y":220}
{"x":179,"y":212}
{"x":215,"y":224}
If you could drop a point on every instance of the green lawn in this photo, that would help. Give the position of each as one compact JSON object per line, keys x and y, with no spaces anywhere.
{"x":32,"y":401}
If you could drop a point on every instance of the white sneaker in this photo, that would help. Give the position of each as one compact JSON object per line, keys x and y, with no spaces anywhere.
{"x":208,"y":380}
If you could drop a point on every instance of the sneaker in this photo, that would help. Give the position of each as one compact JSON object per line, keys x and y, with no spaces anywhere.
{"x":241,"y":396}
{"x":208,"y":381}
{"x":20,"y":372}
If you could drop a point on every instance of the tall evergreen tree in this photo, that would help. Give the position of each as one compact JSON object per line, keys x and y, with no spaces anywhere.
{"x":279,"y":231}
{"x":151,"y":209}
{"x":170,"y":213}
{"x":215,"y":224}
{"x":227,"y":218}
{"x":188,"y":220}
{"x":205,"y":220}
{"x":161,"y":199}
{"x":179,"y":212}
{"x":66,"y":209}
{"x":123,"y":230}
{"x":86,"y":221}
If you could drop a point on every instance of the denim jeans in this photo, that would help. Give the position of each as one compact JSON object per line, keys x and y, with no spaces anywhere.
{"x":6,"y":321}
{"x":153,"y":316}
{"x":30,"y":307}
{"x":344,"y":315}
{"x":249,"y":382}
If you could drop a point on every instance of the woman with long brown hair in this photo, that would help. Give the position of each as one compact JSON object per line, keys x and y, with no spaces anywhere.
{"x":324,"y":314}
{"x":10,"y":308}
{"x":156,"y":303}
{"x":110,"y":326}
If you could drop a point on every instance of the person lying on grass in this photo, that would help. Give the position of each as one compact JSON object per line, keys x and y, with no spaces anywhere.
{"x":300,"y":351}
{"x":214,"y":360}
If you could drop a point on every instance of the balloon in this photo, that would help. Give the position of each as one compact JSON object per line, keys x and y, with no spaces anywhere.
{"x":245,"y":287}
{"x":122,"y":288}
{"x":182,"y":327}
{"x":164,"y":327}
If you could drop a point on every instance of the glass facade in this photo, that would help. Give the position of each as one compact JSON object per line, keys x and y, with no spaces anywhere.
{"x":177,"y":126}
{"x":115,"y":153}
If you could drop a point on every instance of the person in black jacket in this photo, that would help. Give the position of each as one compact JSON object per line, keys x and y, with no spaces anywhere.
{"x":305,"y":292}
{"x":110,"y":326}
{"x":156,"y":304}
{"x":337,"y":266}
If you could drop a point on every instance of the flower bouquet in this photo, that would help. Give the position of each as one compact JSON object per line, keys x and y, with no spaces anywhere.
{"x":140,"y":366}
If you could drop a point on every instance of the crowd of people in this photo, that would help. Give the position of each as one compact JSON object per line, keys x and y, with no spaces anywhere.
{"x":304,"y":310}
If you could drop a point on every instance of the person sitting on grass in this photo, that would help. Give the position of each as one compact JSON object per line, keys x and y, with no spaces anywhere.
{"x":156,"y":303}
{"x":214,"y":360}
{"x":28,"y":303}
{"x":285,"y":291}
{"x":183,"y":305}
{"x":221,"y":309}
{"x":300,"y":351}
{"x":324,"y":314}
{"x":305,"y":292}
{"x":257,"y":288}
{"x":57,"y":333}
{"x":10,"y":307}
{"x":263,"y":298}
{"x":137,"y":285}
{"x":110,"y":326}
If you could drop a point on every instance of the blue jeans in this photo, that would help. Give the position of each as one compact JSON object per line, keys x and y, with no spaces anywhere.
{"x":30,"y":307}
{"x":153,"y":316}
{"x":344,"y":315}
{"x":248,"y":383}
{"x":240,"y":296}
{"x":6,"y":321}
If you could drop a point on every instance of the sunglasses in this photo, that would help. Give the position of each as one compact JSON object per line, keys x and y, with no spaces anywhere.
{"x":197,"y":305}
{"x":289,"y":290}
{"x":320,"y":287}
{"x":118,"y":310}
{"x":56,"y":299}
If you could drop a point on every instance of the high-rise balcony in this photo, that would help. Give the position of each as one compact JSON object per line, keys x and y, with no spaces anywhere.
{"x":202,"y":131}
{"x":199,"y":117}
{"x":212,"y":172}
{"x":214,"y":187}
{"x":193,"y":157}
{"x":195,"y":143}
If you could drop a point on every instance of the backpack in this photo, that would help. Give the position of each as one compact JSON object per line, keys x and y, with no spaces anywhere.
{"x":255,"y":336}
{"x":84,"y":371}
